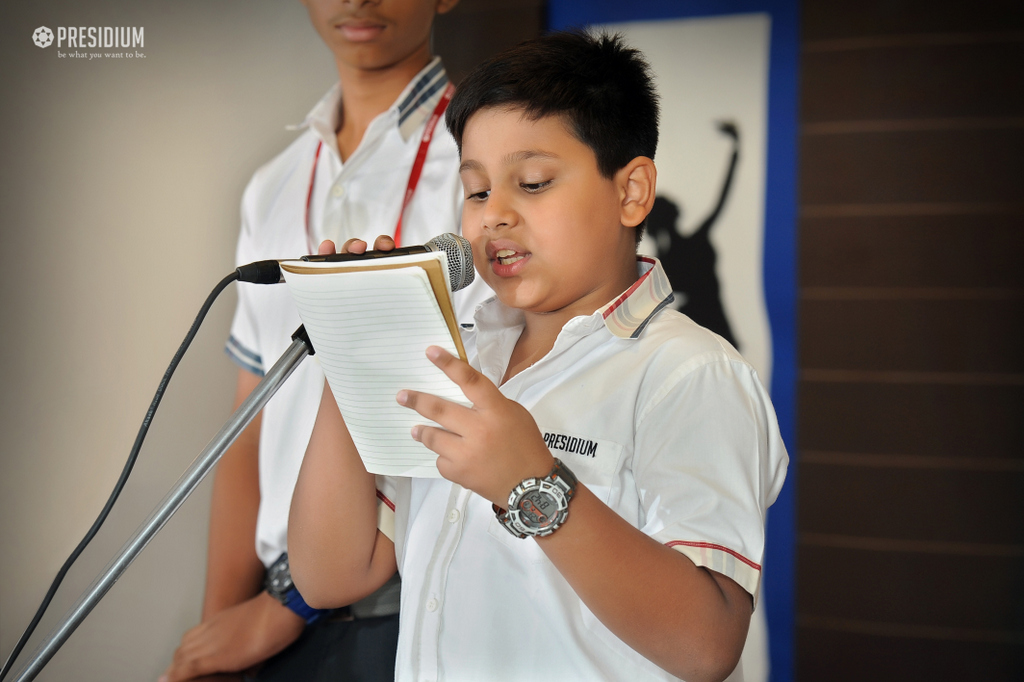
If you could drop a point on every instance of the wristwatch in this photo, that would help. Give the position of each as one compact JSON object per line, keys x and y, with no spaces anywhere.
{"x":278,"y":584}
{"x":538,"y":506}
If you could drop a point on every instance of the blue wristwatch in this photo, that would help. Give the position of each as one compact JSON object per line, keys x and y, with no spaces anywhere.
{"x":279,"y":585}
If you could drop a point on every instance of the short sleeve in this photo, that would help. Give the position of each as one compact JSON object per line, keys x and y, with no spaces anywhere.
{"x":393,"y":494}
{"x":392,"y":491}
{"x":243,"y":342}
{"x":709,"y":460}
{"x":386,"y":495}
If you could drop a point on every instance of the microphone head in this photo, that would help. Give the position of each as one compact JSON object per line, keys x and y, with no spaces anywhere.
{"x":460,"y":258}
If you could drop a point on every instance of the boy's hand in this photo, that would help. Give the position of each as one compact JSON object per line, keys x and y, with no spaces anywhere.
{"x":488,"y":448}
{"x":235,"y":639}
{"x":382,"y":243}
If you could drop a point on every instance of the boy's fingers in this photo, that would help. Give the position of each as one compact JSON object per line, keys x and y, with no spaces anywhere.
{"x":474,"y":384}
{"x":444,"y":412}
{"x":382,"y":243}
{"x":353,"y":246}
{"x":326,"y":248}
{"x":437,"y":440}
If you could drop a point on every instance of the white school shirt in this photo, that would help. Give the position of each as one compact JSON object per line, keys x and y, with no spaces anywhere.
{"x":358,"y":198}
{"x":660,"y":418}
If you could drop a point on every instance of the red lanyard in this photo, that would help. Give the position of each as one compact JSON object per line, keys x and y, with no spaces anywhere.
{"x":414,"y":174}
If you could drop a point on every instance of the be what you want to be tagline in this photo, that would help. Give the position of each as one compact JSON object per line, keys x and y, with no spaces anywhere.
{"x":101,"y":55}
{"x":93,"y":42}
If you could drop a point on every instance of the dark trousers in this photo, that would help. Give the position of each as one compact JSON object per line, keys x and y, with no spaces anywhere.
{"x":338,"y":650}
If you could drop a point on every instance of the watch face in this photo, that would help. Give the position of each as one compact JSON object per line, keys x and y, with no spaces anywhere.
{"x":279,"y":580}
{"x":538,"y":509}
{"x":539,"y":506}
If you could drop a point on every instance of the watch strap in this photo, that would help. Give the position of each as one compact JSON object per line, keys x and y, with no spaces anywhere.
{"x":506,"y":521}
{"x":278,"y":585}
{"x":294,"y":601}
{"x":560,"y":472}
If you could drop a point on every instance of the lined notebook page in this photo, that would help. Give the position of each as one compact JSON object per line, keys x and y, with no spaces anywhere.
{"x":371,"y":331}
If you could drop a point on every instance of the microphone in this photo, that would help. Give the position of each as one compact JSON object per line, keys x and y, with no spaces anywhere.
{"x":456,"y":248}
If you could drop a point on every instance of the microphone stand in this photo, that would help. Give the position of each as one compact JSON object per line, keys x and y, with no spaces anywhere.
{"x":186,"y":485}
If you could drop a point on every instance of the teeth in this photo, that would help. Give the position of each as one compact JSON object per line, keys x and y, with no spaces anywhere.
{"x":507,"y":256}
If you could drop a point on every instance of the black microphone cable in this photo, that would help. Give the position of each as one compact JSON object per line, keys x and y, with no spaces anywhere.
{"x":238,"y":274}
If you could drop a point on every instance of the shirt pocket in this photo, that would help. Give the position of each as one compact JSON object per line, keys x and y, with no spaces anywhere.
{"x":594,"y":461}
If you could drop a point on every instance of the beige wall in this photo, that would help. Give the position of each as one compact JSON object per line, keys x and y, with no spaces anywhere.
{"x":119,"y":188}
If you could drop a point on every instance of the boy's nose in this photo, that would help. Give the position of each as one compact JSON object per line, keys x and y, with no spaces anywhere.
{"x":498,"y":212}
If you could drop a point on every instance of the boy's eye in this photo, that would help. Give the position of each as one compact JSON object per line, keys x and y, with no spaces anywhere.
{"x":534,"y":186}
{"x":479,"y":196}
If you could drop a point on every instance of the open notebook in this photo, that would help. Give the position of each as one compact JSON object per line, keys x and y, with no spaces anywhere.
{"x":370,"y":323}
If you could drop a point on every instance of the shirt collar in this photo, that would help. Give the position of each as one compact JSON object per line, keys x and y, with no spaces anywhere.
{"x":625,"y":317}
{"x":413,"y":106}
{"x":420,"y":97}
{"x":628,"y":314}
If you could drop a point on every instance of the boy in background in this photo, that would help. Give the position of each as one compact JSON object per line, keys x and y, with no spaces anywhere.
{"x":369,"y":161}
{"x":601,"y":511}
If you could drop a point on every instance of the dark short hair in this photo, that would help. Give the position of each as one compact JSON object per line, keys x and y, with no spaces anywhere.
{"x":601,"y":88}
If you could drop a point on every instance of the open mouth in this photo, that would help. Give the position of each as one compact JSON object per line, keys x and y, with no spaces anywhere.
{"x":508,"y":256}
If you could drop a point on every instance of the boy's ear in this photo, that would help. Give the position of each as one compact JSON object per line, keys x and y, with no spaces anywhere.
{"x":637,"y":181}
{"x":445,"y":6}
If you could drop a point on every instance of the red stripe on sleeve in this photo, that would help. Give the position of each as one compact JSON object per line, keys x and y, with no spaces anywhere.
{"x":708,"y":545}
{"x":385,"y":500}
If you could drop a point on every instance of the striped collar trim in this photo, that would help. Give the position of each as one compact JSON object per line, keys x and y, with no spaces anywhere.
{"x":627,"y":315}
{"x":413,"y":106}
{"x":420,"y":97}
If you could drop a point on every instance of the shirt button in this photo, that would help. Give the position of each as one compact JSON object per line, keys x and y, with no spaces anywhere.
{"x":453,"y":516}
{"x":337,"y":191}
{"x":432,"y":605}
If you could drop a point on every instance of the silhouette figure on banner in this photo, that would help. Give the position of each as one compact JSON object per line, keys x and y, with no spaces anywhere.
{"x":689,"y":261}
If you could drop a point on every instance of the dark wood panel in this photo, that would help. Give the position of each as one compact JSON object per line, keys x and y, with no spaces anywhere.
{"x":839,"y":656}
{"x":477,"y":30}
{"x":939,"y":166}
{"x":913,"y":251}
{"x":911,"y":589}
{"x":825,"y":19}
{"x":931,"y":420}
{"x":929,"y":81}
{"x":911,"y":400}
{"x":931,"y":505}
{"x":913,"y":335}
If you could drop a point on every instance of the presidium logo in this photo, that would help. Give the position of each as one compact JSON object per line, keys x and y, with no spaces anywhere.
{"x":95,"y":38}
{"x":42,"y":37}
